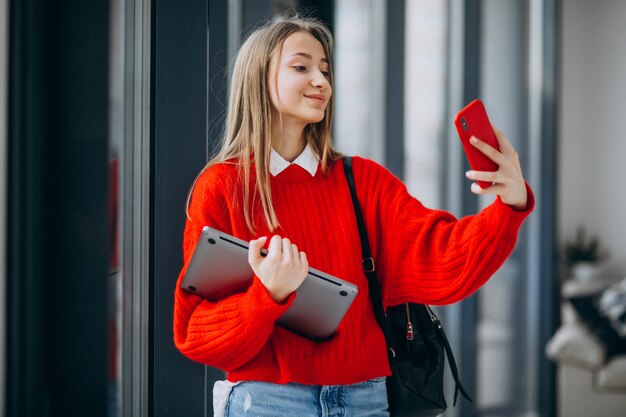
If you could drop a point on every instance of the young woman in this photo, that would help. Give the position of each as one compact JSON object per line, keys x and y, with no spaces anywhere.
{"x":278,"y":182}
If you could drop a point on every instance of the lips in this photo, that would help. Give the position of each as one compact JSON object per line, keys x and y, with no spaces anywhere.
{"x":317,"y":97}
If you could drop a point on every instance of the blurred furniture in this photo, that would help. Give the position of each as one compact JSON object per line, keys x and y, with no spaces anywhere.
{"x":591,"y":377}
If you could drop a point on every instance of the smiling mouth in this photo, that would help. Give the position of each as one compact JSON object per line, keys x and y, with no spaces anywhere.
{"x":318,"y":99}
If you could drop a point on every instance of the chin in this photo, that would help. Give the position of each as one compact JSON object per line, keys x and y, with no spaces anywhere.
{"x":317,"y":117}
{"x":309,"y":117}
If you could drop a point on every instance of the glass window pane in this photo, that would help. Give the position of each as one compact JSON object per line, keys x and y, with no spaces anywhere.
{"x":425,"y":98}
{"x":503,"y":337}
{"x":359,"y":77}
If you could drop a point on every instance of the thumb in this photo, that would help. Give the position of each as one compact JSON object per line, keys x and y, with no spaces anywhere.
{"x":254,"y":251}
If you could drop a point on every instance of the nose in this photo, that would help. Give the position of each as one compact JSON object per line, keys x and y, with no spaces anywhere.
{"x":320,"y":81}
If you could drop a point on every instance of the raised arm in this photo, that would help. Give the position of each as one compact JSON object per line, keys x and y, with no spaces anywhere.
{"x":429,"y":256}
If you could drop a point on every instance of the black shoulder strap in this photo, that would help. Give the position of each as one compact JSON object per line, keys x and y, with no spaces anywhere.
{"x":369,"y":267}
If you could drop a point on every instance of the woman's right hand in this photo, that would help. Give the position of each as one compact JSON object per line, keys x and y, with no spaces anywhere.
{"x":284,"y":268}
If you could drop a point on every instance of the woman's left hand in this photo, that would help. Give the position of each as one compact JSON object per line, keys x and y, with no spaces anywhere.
{"x":508,"y":181}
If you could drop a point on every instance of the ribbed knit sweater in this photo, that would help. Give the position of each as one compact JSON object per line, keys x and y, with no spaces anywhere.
{"x":422,"y":255}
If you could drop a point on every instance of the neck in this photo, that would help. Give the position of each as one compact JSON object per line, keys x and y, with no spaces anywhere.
{"x":288,"y":140}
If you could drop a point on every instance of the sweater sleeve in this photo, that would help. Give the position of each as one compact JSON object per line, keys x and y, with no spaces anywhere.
{"x":429,"y":256}
{"x":228,"y":333}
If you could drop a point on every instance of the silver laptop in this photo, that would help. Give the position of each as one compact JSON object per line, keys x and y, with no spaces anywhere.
{"x":219,"y":268}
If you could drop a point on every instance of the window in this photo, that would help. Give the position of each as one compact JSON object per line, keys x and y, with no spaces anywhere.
{"x":359,"y":77}
{"x":425,"y":98}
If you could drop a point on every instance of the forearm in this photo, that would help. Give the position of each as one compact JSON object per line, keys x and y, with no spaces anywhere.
{"x":434,"y":258}
{"x":229,"y":333}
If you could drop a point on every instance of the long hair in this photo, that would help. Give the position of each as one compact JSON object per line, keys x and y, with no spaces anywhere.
{"x":251,"y":115}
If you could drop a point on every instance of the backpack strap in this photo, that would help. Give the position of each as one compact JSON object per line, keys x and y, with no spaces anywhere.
{"x":369,"y":267}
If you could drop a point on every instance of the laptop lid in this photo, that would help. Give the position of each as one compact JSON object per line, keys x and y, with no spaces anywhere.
{"x":219,"y":268}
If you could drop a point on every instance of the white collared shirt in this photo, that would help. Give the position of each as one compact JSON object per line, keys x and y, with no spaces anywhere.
{"x":307,"y":160}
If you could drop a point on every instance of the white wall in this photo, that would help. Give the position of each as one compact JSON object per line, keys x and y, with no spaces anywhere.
{"x":592,"y":124}
{"x":592,"y":158}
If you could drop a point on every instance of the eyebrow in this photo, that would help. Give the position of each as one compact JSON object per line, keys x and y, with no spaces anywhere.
{"x":305,"y":55}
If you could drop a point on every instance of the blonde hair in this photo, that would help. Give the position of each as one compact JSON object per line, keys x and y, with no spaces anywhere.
{"x":251,"y":116}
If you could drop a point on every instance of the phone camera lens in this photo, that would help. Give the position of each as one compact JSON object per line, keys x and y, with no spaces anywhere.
{"x":212,"y":241}
{"x":463,"y":123}
{"x":343,"y":293}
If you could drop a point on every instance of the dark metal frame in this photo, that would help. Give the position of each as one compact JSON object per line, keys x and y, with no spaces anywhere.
{"x":180,"y":109}
{"x":394,"y":88}
{"x":550,"y":293}
{"x":469,"y":204}
{"x":57,"y":260}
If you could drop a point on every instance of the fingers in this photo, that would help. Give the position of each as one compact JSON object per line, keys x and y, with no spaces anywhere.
{"x":275,"y":248}
{"x":505,"y":145}
{"x":485,"y":176}
{"x":294,"y":253}
{"x":254,"y":250}
{"x":287,"y":252}
{"x":280,"y":251}
{"x":507,"y":181}
{"x":492,"y":153}
{"x":506,"y":148}
{"x":496,"y":189}
{"x":290,"y":252}
{"x":291,"y":255}
{"x":304,"y":261}
{"x":282,"y":270}
{"x":506,"y":158}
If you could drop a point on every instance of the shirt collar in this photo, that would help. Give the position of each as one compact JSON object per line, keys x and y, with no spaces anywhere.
{"x":308,"y":160}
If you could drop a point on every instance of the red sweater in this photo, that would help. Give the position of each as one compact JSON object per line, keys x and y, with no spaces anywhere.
{"x":422,"y":255}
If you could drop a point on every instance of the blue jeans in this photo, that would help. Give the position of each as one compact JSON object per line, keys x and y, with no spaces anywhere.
{"x":364,"y":399}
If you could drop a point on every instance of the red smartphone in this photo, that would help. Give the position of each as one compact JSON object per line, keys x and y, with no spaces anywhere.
{"x":472,"y":120}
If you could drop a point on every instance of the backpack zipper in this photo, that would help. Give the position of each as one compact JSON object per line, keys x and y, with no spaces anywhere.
{"x":433,"y":317}
{"x":409,"y":325}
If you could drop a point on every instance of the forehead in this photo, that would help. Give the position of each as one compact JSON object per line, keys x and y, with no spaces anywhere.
{"x":303,"y":43}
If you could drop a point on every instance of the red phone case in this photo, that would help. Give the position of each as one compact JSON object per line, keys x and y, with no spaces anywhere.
{"x":472,"y":120}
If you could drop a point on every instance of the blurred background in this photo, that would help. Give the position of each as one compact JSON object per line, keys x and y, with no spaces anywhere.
{"x":108,"y":109}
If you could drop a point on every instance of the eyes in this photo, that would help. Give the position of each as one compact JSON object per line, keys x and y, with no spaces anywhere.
{"x":305,"y":69}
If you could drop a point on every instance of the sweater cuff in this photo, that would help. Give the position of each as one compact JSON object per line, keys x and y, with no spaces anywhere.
{"x":506,"y":217}
{"x":259,"y":306}
{"x":520,"y":214}
{"x":530,"y":200}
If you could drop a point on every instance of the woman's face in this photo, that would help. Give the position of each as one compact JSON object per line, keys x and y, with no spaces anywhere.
{"x":298,"y":83}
